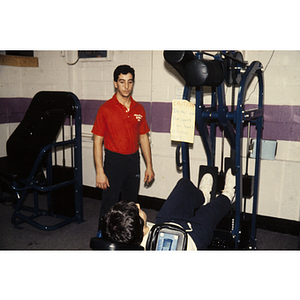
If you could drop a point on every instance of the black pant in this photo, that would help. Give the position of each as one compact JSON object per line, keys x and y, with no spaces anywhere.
{"x":123,"y":173}
{"x":185,"y":205}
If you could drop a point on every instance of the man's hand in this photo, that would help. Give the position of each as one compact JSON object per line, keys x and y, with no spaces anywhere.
{"x":149,"y":175}
{"x":145,"y":145}
{"x":102,"y":181}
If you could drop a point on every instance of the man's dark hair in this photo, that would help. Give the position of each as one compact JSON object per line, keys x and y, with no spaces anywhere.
{"x":123,"y":69}
{"x":123,"y":224}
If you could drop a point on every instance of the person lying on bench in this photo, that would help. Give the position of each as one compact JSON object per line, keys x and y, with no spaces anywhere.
{"x":187,"y":206}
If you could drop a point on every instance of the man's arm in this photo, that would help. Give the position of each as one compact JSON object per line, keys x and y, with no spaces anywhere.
{"x":101,"y":179}
{"x":145,"y":146}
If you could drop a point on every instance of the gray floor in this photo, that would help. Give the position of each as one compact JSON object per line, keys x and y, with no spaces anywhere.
{"x":77,"y":236}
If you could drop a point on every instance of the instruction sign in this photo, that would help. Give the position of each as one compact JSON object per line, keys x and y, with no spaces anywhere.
{"x":183,"y":121}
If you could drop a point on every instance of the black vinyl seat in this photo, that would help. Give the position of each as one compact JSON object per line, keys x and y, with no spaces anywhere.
{"x":97,"y":243}
{"x":30,"y":149}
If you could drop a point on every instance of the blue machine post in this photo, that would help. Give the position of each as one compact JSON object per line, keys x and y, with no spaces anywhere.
{"x":185,"y":146}
{"x":78,"y":162}
{"x":208,"y":140}
{"x":254,"y":116}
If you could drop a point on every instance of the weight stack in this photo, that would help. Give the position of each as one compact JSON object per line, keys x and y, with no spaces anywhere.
{"x":223,"y":239}
{"x":63,"y":199}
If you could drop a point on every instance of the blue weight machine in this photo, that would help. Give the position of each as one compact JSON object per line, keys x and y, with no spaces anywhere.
{"x":31,"y":164}
{"x":225,"y":68}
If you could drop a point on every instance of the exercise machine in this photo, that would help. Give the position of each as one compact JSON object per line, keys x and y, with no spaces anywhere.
{"x":217,"y":71}
{"x":31,"y":164}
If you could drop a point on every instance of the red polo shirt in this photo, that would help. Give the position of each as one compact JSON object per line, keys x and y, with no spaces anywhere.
{"x":120,"y":128}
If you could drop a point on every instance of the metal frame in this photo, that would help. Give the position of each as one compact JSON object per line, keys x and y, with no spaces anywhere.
{"x":22,"y":187}
{"x":232,"y":124}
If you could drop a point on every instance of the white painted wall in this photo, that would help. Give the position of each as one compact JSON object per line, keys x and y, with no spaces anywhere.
{"x":157,"y":82}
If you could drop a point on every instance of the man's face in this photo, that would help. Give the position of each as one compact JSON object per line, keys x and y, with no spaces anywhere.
{"x":124,"y":85}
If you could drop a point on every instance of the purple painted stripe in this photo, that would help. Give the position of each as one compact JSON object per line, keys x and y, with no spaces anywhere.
{"x":89,"y":109}
{"x":12,"y":110}
{"x":161,"y":117}
{"x":281,"y":122}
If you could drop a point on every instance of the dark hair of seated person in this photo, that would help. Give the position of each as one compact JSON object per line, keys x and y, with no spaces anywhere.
{"x":123,"y":224}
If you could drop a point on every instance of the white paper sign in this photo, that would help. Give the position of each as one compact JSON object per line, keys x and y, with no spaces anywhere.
{"x":183,"y":121}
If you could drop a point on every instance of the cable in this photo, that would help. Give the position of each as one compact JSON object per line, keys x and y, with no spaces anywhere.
{"x":79,"y":53}
{"x":269,"y":60}
{"x":265,"y":69}
{"x":74,"y":63}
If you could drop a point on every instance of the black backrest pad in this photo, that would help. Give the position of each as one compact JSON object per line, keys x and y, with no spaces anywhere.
{"x":36,"y":130}
{"x":39,"y":127}
{"x":43,"y":101}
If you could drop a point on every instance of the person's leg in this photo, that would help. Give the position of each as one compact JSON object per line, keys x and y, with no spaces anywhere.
{"x":208,"y":216}
{"x":113,"y":166}
{"x":181,"y":203}
{"x":206,"y":219}
{"x":131,"y":184}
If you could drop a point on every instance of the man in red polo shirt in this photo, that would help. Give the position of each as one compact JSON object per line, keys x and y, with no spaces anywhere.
{"x":121,"y":125}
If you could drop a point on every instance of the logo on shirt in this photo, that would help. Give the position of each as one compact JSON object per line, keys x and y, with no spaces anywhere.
{"x":138,"y":117}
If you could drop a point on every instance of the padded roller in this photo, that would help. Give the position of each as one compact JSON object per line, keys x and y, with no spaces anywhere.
{"x":179,"y":59}
{"x":204,"y":72}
